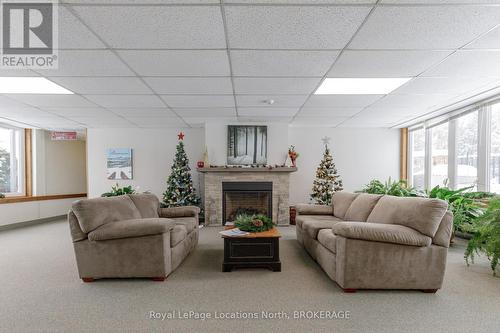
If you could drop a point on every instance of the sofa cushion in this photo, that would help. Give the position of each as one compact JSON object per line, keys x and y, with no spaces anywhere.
{"x":181,"y":211}
{"x":178,"y":234}
{"x":147,"y":204}
{"x":92,"y":213}
{"x":313,"y":226}
{"x":327,"y":238}
{"x":189,"y":222}
{"x":341,"y":202}
{"x":361,"y":207}
{"x":305,"y":209}
{"x":386,"y":233}
{"x":300,"y":219}
{"x":131,"y":228}
{"x":421,"y":214}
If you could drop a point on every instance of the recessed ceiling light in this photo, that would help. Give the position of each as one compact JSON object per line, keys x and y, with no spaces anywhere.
{"x":359,"y":86}
{"x":30,"y":85}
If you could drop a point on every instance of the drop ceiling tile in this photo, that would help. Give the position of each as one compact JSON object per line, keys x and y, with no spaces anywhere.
{"x":195,"y":101}
{"x":301,"y":2}
{"x":206,"y":112}
{"x":103,"y":85}
{"x":197,"y":121}
{"x":24,"y":114}
{"x":318,"y":121}
{"x":182,"y":85}
{"x":9,"y":103}
{"x":391,"y":112}
{"x":292,"y":27}
{"x":267,"y":112}
{"x":73,"y":34}
{"x":282,"y":63}
{"x":177,"y":62}
{"x":88,"y":63}
{"x":49,"y":100}
{"x":104,"y":122}
{"x":80,"y":112}
{"x":157,"y":122}
{"x":413,"y":101}
{"x":279,"y":100}
{"x":137,"y":2}
{"x":168,"y":27}
{"x":491,"y":40}
{"x":332,"y":101}
{"x":265,"y":120}
{"x":143,"y":112}
{"x":259,"y":86}
{"x":439,"y":2}
{"x":421,"y":27}
{"x":470,"y":63}
{"x":385,"y":63}
{"x":440,"y":85}
{"x":329,"y":112}
{"x":127,"y":101}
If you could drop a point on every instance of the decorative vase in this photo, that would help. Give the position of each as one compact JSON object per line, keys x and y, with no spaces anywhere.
{"x":293,"y":159}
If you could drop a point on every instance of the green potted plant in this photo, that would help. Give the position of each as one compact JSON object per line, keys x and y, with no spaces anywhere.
{"x":486,"y":235}
{"x":117,"y":190}
{"x":2,"y":195}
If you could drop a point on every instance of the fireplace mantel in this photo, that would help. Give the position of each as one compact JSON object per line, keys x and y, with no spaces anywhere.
{"x":247,"y":169}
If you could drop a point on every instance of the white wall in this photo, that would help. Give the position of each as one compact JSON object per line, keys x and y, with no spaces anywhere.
{"x":153,"y":155}
{"x":59,"y":166}
{"x":33,"y":210}
{"x":216,"y":142}
{"x":360,"y":154}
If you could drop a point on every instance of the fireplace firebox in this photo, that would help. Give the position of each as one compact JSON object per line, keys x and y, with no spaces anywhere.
{"x":246,"y":198}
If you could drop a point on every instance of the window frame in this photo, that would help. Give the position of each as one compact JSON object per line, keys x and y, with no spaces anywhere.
{"x":21,"y":168}
{"x":483,"y":146}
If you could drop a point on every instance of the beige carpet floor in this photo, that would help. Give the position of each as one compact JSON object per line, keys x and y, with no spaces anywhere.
{"x":40,"y":292}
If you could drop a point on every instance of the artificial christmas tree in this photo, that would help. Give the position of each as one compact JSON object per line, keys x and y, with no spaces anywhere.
{"x":180,"y":190}
{"x":327,"y":179}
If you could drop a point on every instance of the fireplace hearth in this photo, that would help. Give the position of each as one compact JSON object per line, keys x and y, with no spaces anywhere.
{"x":246,"y":198}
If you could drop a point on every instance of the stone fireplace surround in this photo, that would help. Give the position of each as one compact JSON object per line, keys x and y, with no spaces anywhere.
{"x":213,"y":178}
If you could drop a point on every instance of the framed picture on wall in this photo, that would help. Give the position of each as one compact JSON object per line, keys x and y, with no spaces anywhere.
{"x":119,"y":163}
{"x":246,"y":145}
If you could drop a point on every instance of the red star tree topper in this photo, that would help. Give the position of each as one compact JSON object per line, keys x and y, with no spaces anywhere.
{"x":181,"y":136}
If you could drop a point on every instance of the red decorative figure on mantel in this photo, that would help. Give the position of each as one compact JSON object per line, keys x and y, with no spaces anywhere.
{"x":181,"y":136}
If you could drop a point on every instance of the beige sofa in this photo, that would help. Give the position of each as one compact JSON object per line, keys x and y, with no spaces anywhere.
{"x":130,"y":236}
{"x":366,"y":241}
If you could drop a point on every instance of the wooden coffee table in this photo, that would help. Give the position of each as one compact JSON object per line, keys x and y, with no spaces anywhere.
{"x":259,"y":249}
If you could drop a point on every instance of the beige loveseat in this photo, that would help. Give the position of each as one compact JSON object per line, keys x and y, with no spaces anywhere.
{"x":131,"y":236}
{"x":366,"y":241}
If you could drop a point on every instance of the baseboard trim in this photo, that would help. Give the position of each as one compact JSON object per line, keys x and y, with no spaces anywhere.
{"x":30,"y":223}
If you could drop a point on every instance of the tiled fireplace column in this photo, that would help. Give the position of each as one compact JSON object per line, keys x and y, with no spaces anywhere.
{"x":214,"y":177}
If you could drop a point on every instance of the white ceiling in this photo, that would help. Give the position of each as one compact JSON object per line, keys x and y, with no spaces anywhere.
{"x":166,"y":63}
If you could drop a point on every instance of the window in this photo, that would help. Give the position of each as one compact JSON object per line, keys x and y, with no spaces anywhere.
{"x":417,"y":139}
{"x":11,"y":166}
{"x":494,"y":160}
{"x":439,"y":155}
{"x":466,"y":150}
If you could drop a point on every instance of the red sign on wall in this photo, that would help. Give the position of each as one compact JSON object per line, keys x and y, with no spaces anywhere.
{"x":63,"y":136}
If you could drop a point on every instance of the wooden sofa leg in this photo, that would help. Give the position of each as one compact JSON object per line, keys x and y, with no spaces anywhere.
{"x":158,"y":278}
{"x":429,"y":291}
{"x":350,"y":290}
{"x":87,"y":279}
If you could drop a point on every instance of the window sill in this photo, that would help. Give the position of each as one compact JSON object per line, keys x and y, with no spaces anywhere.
{"x":8,"y":200}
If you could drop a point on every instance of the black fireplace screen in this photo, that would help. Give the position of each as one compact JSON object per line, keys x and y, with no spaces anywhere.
{"x":246,"y":198}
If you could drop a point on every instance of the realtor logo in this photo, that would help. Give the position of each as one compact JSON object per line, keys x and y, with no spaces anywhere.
{"x":29,"y":34}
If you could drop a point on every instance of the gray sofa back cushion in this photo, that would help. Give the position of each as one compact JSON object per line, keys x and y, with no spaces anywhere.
{"x":92,"y":213}
{"x":147,"y":204}
{"x":361,"y":207}
{"x":131,"y":228}
{"x":421,"y":214}
{"x":341,"y":202}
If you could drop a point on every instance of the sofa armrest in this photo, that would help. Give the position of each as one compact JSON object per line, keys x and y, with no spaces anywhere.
{"x":185,"y":211}
{"x":131,"y":228}
{"x":306,"y":209}
{"x":379,"y":232}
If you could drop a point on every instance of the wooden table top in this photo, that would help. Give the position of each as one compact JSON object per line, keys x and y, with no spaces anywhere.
{"x":272,"y":233}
